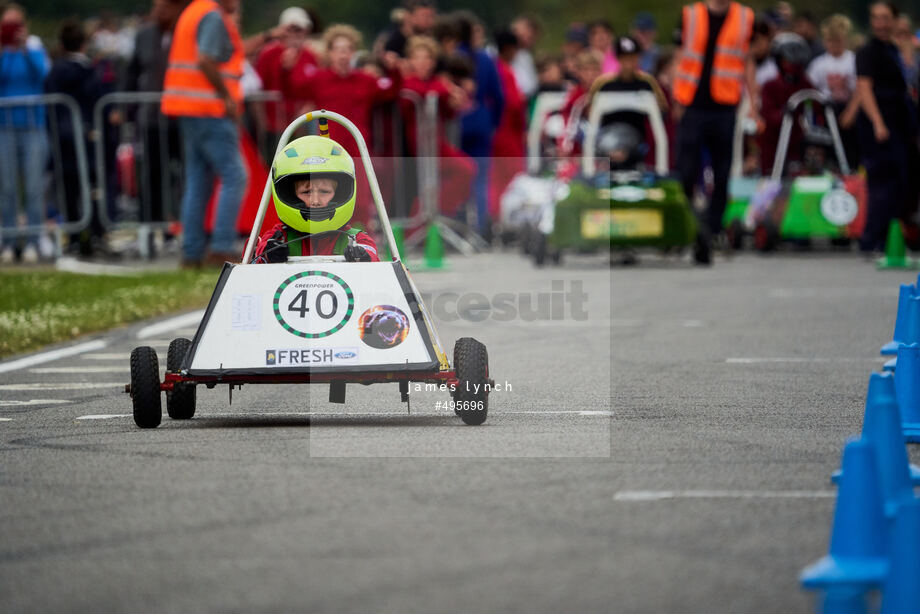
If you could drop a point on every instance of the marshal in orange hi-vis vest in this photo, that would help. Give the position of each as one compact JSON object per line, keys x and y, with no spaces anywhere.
{"x":186,"y":91}
{"x":731,"y":52}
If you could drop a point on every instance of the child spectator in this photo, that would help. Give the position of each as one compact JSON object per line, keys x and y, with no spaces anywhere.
{"x":343,"y":89}
{"x":313,"y":191}
{"x":764,"y":65}
{"x":600,"y":38}
{"x":456,"y":168}
{"x":833,"y":73}
{"x":588,"y":68}
{"x":278,"y":60}
{"x":550,"y":76}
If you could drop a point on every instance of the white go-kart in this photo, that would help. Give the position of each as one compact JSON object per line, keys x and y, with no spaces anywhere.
{"x":312,"y":320}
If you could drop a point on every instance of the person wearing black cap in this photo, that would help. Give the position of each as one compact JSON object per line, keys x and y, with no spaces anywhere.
{"x":629,"y":79}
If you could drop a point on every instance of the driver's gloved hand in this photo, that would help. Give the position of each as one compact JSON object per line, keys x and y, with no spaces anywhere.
{"x":356,"y":253}
{"x":275,"y":250}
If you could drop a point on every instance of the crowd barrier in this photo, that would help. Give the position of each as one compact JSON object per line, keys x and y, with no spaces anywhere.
{"x":128,"y":176}
{"x":65,"y":175}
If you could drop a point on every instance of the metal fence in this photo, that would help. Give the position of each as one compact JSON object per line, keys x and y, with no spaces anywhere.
{"x":127,"y":176}
{"x":63,"y":177}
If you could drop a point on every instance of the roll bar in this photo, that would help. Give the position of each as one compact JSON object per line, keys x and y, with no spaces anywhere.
{"x":368,"y":169}
{"x":785,"y":132}
{"x":640,"y":102}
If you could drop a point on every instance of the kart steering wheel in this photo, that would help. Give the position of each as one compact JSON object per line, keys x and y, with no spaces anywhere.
{"x":351,"y":241}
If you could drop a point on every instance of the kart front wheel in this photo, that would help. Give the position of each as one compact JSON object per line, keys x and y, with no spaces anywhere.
{"x":145,"y":388}
{"x":180,"y":401}
{"x":471,"y":364}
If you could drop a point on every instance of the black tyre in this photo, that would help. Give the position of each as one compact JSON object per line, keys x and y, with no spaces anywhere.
{"x":526,"y":240}
{"x":539,"y":249}
{"x":145,"y":388}
{"x":735,"y":234}
{"x":180,"y":402}
{"x":557,"y":257}
{"x":471,"y":364}
{"x":702,"y":248}
{"x":766,"y":236}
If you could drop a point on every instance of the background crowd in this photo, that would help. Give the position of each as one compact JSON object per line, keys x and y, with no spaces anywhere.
{"x":486,"y":79}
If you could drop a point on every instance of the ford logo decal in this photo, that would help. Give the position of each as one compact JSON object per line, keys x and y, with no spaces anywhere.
{"x":345,"y":355}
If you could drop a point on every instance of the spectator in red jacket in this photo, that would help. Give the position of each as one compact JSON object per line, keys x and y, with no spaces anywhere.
{"x":588,"y":68}
{"x":508,"y":143}
{"x":278,"y":59}
{"x":792,"y":55}
{"x":456,"y":168}
{"x":347,"y":91}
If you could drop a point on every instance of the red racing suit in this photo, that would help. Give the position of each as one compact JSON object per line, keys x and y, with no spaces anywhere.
{"x":327,"y":245}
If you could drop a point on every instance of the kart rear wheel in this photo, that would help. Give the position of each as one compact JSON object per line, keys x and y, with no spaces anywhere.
{"x":735,"y":234}
{"x":145,"y":387}
{"x":766,"y":236}
{"x":471,"y":364}
{"x":539,"y":249}
{"x":180,"y":401}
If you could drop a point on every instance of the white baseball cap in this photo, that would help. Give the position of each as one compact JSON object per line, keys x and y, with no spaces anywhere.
{"x":295,"y":16}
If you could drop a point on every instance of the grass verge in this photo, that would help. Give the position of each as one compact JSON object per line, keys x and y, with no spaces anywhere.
{"x":38,"y":307}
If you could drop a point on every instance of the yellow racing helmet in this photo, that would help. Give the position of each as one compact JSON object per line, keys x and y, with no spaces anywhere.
{"x":313,"y":157}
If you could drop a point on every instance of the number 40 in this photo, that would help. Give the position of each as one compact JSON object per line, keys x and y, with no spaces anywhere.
{"x":299,"y":304}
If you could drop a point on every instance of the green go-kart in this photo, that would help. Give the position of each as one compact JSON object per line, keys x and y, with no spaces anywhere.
{"x":615,"y":204}
{"x":802,"y":204}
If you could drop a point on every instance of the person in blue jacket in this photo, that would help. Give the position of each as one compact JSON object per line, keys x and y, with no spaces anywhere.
{"x":478,"y":125}
{"x":75,"y":75}
{"x":23,"y":140}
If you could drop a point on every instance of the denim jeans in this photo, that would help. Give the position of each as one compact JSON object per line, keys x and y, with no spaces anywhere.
{"x":212,"y":149}
{"x":23,"y":153}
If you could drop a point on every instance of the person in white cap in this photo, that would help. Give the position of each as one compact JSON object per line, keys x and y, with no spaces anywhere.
{"x":288,"y":52}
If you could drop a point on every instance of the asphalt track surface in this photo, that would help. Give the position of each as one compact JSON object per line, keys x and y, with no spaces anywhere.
{"x":668,"y":449}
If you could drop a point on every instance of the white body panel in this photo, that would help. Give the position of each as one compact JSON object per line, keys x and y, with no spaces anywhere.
{"x":312,"y":317}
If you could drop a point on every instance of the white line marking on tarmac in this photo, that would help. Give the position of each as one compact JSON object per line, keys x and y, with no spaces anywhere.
{"x":37,"y":359}
{"x":34,"y":402}
{"x":50,"y":370}
{"x":171,"y":324}
{"x":795,"y":359}
{"x":72,"y":265}
{"x":389,"y":414}
{"x":102,"y":416}
{"x":63,"y":386}
{"x":107,"y":356}
{"x":6,"y":419}
{"x":663,"y":495}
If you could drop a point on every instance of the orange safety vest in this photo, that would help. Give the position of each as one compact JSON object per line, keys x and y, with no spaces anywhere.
{"x":731,"y":52}
{"x":186,"y":91}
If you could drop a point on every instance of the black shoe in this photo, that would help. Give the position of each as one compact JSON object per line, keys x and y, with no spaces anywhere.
{"x":702,"y":249}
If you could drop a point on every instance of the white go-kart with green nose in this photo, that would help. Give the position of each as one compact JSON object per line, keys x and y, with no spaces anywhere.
{"x":313,"y":319}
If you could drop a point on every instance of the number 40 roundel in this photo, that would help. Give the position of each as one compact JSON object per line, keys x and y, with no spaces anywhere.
{"x":313,"y":304}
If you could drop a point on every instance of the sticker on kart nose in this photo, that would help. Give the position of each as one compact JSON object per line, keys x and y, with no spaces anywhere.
{"x":296,"y":357}
{"x":383,"y":327}
{"x":313,"y":304}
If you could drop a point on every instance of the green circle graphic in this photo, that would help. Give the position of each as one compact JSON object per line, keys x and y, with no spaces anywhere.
{"x":331,"y":331}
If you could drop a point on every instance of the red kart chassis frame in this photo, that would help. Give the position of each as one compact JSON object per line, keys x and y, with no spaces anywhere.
{"x":446,"y":378}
